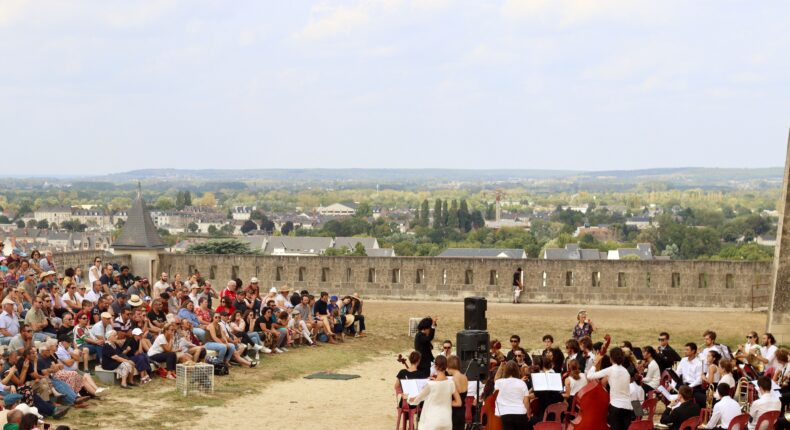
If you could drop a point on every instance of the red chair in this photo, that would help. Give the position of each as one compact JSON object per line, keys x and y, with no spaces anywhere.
{"x":406,"y":415}
{"x":548,"y":425}
{"x":767,"y":421}
{"x":649,"y":405}
{"x":704,"y":415}
{"x":469,"y":406}
{"x":690,"y":424}
{"x":741,"y":422}
{"x":641,"y":425}
{"x":555,"y":410}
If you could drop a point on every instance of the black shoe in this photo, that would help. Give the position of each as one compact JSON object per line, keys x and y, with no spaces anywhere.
{"x":60,"y":411}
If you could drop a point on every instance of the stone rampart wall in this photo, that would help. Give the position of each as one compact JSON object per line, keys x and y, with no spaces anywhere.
{"x":653,"y":283}
{"x":84,"y":259}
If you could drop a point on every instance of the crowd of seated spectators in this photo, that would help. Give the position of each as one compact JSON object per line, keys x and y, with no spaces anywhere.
{"x":59,"y":326}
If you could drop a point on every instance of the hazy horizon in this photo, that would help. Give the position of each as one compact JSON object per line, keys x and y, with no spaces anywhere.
{"x":93,"y":88}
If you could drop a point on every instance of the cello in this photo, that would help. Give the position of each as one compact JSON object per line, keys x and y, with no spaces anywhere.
{"x":592,"y":401}
{"x":488,"y":413}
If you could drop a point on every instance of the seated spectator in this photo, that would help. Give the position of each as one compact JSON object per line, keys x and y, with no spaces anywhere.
{"x":320,"y":309}
{"x":298,"y":325}
{"x":119,"y":304}
{"x":123,"y":323}
{"x":238,"y":326}
{"x":70,"y":358}
{"x":86,"y":340}
{"x":23,"y":340}
{"x":239,"y":347}
{"x":72,"y":298}
{"x":264,"y":325}
{"x":24,"y":377}
{"x":157,"y":316}
{"x":9,"y":322}
{"x":163,"y":350}
{"x":353,"y":306}
{"x":95,"y":292}
{"x":135,"y":348}
{"x":226,"y":306}
{"x":114,"y":359}
{"x":188,"y":346}
{"x":203,"y":312}
{"x":187,"y":313}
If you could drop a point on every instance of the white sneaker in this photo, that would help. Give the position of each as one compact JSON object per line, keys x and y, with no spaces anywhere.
{"x":100,"y":390}
{"x":284,"y":349}
{"x":258,"y":347}
{"x":266,"y":350}
{"x":257,"y":356}
{"x":278,"y":350}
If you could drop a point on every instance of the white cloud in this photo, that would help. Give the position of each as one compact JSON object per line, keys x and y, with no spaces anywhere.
{"x":334,"y":21}
{"x":568,"y":13}
{"x":11,"y":10}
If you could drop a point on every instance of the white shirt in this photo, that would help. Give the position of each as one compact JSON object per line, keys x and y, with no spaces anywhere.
{"x":690,"y":372}
{"x":159,"y":288}
{"x":156,"y":348}
{"x":766,"y":403}
{"x":637,"y":392}
{"x":93,"y":296}
{"x":510,"y":400}
{"x":577,"y":384}
{"x":10,"y":323}
{"x":769,"y":353}
{"x":93,"y":274}
{"x":653,"y":375}
{"x":78,"y":298}
{"x":723,"y":412}
{"x":99,"y":330}
{"x":63,"y":355}
{"x":619,"y":385}
{"x":727,"y":379}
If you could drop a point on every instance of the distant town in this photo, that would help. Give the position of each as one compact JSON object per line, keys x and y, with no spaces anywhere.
{"x":649,"y":218}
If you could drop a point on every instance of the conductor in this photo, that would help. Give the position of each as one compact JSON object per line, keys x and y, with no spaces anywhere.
{"x":422,"y":344}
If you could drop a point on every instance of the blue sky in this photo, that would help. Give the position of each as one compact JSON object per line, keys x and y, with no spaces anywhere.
{"x":91,"y":87}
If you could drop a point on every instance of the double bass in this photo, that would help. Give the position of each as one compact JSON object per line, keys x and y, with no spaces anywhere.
{"x":593,"y":402}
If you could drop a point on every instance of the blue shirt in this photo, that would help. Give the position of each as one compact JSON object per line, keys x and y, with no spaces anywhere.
{"x":185,"y":314}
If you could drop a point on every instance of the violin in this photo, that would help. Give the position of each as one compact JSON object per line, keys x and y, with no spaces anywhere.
{"x":592,"y":401}
{"x":401,"y":359}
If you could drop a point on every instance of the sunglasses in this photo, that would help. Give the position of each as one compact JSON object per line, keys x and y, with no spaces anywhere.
{"x":748,"y":337}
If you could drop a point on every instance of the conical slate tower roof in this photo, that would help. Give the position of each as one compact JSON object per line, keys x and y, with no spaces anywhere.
{"x":139,"y":232}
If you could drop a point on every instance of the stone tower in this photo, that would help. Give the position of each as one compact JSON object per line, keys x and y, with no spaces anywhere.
{"x":779,"y":310}
{"x":140,"y":239}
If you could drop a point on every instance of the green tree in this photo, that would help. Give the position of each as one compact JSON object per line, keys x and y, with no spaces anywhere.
{"x":445,"y":214}
{"x":363,"y":210}
{"x":164,"y":203}
{"x":288,"y":227}
{"x":192,"y":227}
{"x":220,"y":246}
{"x":464,"y":217}
{"x":4,"y":219}
{"x":213,"y":230}
{"x":248,"y":226}
{"x":452,"y":217}
{"x":359,"y":250}
{"x":20,"y":224}
{"x":228,"y":229}
{"x":424,"y":213}
{"x":42,"y":224}
{"x":438,"y":218}
{"x":477,"y":219}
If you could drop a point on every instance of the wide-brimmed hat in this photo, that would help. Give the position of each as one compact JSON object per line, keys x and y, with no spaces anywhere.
{"x":135,"y":301}
{"x":285,"y":288}
{"x":29,"y":410}
{"x":7,"y":301}
{"x":106,"y":315}
{"x":48,"y":273}
{"x":349,"y":320}
{"x":254,"y":280}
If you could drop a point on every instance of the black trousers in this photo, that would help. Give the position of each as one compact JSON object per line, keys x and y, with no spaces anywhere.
{"x":515,"y":422}
{"x":619,"y":419}
{"x":168,"y":357}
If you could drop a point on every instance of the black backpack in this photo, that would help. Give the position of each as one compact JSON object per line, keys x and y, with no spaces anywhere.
{"x":220,"y":368}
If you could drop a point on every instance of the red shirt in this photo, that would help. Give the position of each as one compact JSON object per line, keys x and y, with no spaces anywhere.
{"x":228,"y":293}
{"x":229,"y":310}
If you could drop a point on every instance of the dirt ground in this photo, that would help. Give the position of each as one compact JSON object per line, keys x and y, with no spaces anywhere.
{"x":368,"y":401}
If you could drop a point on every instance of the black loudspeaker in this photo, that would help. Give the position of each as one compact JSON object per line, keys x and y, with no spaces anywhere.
{"x":475,"y":313}
{"x":471,"y":346}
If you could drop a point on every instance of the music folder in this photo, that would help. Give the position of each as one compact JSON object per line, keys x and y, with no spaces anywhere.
{"x":546,"y":382}
{"x":412,"y":387}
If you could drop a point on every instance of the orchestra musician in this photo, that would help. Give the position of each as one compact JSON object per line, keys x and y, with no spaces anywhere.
{"x":620,"y":410}
{"x":680,"y":409}
{"x":426,"y":329}
{"x":666,"y":357}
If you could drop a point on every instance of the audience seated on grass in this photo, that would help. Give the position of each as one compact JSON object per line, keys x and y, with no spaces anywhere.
{"x":57,"y":328}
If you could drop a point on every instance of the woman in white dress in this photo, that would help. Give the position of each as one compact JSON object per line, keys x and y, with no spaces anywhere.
{"x":439,"y":395}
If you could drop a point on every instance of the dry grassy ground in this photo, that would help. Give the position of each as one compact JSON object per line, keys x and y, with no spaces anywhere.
{"x":272,"y":391}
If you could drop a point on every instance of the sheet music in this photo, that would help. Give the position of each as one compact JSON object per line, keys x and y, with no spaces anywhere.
{"x":412,"y":387}
{"x":546,"y":382}
{"x":666,"y":393}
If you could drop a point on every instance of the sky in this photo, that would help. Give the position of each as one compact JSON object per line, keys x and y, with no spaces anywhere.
{"x":95,"y":87}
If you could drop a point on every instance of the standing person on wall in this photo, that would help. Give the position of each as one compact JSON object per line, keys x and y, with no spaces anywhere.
{"x":518,"y":284}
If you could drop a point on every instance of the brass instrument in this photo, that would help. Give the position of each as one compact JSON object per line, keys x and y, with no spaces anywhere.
{"x":758,"y":365}
{"x":742,"y":395}
{"x":709,"y":396}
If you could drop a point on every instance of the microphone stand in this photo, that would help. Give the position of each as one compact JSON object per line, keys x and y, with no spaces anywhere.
{"x":476,"y":423}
